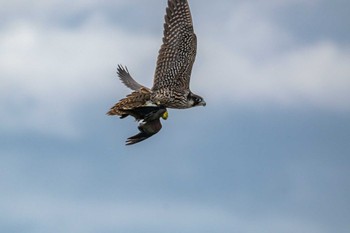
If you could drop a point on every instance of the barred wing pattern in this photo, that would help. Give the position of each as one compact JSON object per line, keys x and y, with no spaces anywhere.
{"x":178,"y":51}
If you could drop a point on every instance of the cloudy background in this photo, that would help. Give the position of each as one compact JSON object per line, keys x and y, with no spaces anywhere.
{"x":270,"y":153}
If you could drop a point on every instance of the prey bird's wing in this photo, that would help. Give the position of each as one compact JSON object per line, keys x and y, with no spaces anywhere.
{"x":125,"y":77}
{"x":137,"y":138}
{"x":146,"y":113}
{"x":178,"y":51}
{"x":147,"y":129}
{"x":149,"y":125}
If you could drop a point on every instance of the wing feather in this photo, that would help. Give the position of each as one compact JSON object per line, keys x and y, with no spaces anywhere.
{"x":125,"y":77}
{"x":178,"y":51}
{"x":147,"y":130}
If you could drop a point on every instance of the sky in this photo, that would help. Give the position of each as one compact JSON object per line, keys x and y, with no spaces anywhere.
{"x":270,"y":152}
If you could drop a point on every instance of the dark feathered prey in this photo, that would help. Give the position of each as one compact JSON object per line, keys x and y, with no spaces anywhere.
{"x":149,"y":122}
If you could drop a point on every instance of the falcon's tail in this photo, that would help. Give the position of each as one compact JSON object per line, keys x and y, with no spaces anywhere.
{"x":135,"y":99}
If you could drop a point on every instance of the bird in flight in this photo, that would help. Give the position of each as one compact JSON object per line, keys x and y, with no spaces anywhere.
{"x":171,"y":83}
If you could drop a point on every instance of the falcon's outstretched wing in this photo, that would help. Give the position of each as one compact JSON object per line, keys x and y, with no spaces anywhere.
{"x":178,"y":51}
{"x":125,"y":77}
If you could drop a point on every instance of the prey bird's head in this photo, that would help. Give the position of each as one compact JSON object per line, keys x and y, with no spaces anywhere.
{"x":195,"y":100}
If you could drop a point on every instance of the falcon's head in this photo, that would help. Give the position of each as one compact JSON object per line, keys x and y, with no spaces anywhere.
{"x":195,"y":100}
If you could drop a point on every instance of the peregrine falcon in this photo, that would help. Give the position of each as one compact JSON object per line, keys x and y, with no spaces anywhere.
{"x":171,"y":83}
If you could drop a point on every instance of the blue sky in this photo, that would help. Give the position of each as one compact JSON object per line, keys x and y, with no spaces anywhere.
{"x":269,"y":153}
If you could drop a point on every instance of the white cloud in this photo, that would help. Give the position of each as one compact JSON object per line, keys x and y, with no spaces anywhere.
{"x":317,"y":75}
{"x":56,"y":6}
{"x":48,"y":72}
{"x":251,"y":60}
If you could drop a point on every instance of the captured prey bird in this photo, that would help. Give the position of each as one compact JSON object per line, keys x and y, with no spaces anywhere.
{"x":171,"y":83}
{"x":149,"y":122}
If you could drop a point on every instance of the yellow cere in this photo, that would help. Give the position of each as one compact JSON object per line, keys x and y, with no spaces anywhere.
{"x":165,"y":115}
